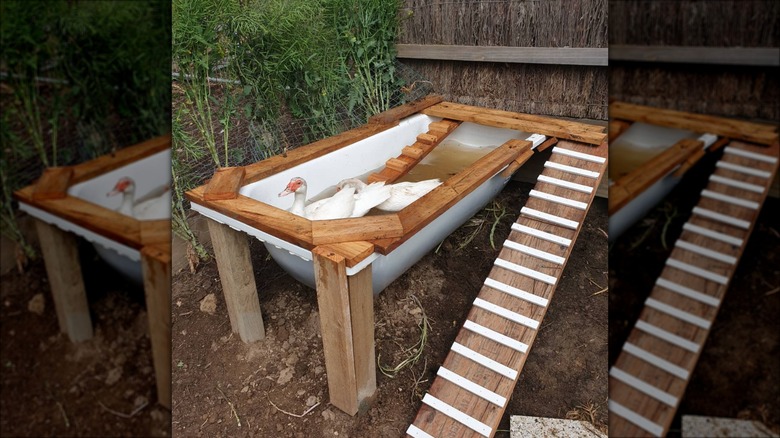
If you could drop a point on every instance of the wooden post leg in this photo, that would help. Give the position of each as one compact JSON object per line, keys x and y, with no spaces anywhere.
{"x":61,"y":257}
{"x":347,"y":320}
{"x":231,"y":250}
{"x":156,"y":265}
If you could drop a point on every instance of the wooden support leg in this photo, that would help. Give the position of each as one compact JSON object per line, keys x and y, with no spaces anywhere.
{"x":156,"y":265}
{"x":61,"y":257}
{"x":231,"y":250}
{"x":346,"y":306}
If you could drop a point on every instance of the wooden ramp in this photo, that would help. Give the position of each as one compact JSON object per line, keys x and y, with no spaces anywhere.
{"x":472,"y":387}
{"x":649,"y":377}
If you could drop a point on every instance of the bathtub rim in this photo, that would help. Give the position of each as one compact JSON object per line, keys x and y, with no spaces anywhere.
{"x":304,"y":231}
{"x":123,"y":234}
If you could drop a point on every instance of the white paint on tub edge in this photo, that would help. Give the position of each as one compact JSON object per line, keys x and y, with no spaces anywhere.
{"x":66,"y":225}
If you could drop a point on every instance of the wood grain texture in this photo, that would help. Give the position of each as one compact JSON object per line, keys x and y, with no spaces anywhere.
{"x":108,"y":223}
{"x":353,"y":252}
{"x":396,"y":168}
{"x":234,"y":263}
{"x":224,"y":184}
{"x":386,"y":226}
{"x":437,"y":424}
{"x":629,"y":186}
{"x":617,"y":127}
{"x":551,"y":127}
{"x":473,"y":176}
{"x":756,"y":56}
{"x":423,"y":211}
{"x":736,"y":129}
{"x":654,"y":410}
{"x":522,"y":55}
{"x":264,"y":217}
{"x":547,"y":143}
{"x":61,"y":257}
{"x":333,"y":300}
{"x":517,"y":163}
{"x":361,"y":306}
{"x":689,"y":162}
{"x":156,"y":268}
{"x":122,"y":157}
{"x":53,"y":183}
{"x":50,"y":195}
{"x":405,"y":110}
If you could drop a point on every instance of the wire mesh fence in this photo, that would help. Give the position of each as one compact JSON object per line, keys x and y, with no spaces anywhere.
{"x":254,"y":139}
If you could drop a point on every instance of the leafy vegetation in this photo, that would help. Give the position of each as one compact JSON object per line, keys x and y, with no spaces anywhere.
{"x":73,"y":73}
{"x":246,"y":68}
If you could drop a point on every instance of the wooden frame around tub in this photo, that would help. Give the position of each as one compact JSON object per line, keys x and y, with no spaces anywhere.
{"x":151,"y":238}
{"x":346,"y":302}
{"x":388,"y":231}
{"x":684,"y":153}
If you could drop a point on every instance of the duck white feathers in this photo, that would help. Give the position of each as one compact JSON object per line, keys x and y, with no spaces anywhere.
{"x":401,"y":194}
{"x":344,"y":204}
{"x":155,"y":205}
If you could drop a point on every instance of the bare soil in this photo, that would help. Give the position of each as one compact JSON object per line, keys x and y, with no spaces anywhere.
{"x":278,"y":386}
{"x":104,"y":386}
{"x":738,"y":373}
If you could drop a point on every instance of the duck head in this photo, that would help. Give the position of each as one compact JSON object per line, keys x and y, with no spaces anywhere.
{"x":124,"y":185}
{"x":296,"y":184}
{"x":350,"y":182}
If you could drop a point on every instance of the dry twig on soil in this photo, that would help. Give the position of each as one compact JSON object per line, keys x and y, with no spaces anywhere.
{"x":290,"y":413}
{"x":122,"y":414}
{"x":232,"y":407}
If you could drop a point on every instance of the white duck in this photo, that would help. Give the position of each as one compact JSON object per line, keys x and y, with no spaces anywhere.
{"x":155,"y":205}
{"x":344,"y":204}
{"x":401,"y":194}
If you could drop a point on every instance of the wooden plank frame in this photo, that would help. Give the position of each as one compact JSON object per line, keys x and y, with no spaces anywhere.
{"x":388,"y":231}
{"x":760,"y":133}
{"x":151,"y":238}
{"x":684,"y":302}
{"x":346,"y":302}
{"x":756,"y":56}
{"x":100,"y":220}
{"x":684,"y":154}
{"x":593,"y":56}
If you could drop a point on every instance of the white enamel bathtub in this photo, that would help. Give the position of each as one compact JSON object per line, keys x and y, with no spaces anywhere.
{"x":647,"y":140}
{"x":358,"y":159}
{"x":149,"y":174}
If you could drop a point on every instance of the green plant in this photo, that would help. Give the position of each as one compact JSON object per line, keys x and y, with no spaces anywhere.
{"x":497,"y":211}
{"x":257,"y":64}
{"x":368,"y":29}
{"x":413,"y":353}
{"x":78,"y":71}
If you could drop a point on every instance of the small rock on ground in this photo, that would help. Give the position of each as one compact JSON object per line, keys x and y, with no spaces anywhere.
{"x":209,"y":304}
{"x":37,"y":304}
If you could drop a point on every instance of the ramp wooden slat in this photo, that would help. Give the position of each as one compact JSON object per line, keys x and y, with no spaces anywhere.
{"x":480,"y":372}
{"x":650,"y":375}
{"x":411,"y":155}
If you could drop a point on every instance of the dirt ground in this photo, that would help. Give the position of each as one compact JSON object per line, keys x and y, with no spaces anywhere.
{"x":740,"y":363}
{"x":104,"y":386}
{"x":278,"y":386}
